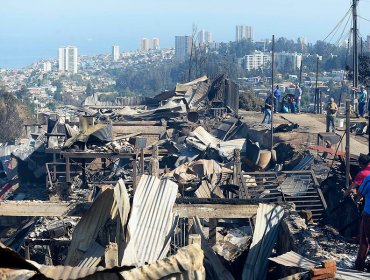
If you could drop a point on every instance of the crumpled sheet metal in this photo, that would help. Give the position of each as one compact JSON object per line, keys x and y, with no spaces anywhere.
{"x":265,"y":233}
{"x":101,"y":131}
{"x":150,"y":221}
{"x":292,"y":259}
{"x":190,"y":171}
{"x":201,"y":140}
{"x":89,"y":226}
{"x":186,"y":264}
{"x":108,"y":205}
{"x":216,"y":269}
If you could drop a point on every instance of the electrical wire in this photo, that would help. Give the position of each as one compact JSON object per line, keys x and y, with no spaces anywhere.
{"x":363,"y":18}
{"x":335,"y":29}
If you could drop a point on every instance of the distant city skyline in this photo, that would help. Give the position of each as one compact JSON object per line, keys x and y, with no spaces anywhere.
{"x":33,"y":30}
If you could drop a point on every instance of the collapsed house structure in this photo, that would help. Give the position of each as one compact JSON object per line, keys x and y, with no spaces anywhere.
{"x":175,"y":186}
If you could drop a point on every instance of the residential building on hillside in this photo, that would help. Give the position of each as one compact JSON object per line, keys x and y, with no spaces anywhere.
{"x":144,"y":45}
{"x":287,"y":61}
{"x":256,"y":60}
{"x":154,"y":44}
{"x":115,"y":53}
{"x":183,"y":45}
{"x":243,"y":32}
{"x":67,"y":58}
{"x":204,"y":37}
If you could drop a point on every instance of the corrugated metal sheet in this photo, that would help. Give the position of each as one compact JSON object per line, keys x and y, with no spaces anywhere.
{"x":123,"y":205}
{"x":186,"y":264}
{"x":150,"y":220}
{"x":89,"y":226}
{"x":292,"y":259}
{"x":16,"y":274}
{"x":199,"y":96}
{"x":93,"y":256}
{"x":67,"y":272}
{"x":201,"y":139}
{"x":218,"y":270}
{"x":108,"y":205}
{"x":264,"y":237}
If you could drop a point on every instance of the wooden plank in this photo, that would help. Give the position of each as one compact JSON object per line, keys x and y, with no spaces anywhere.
{"x":215,"y":210}
{"x":34,"y":208}
{"x":96,"y":155}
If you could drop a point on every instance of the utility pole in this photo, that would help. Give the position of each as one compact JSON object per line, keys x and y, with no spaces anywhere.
{"x":348,"y":137}
{"x":272,"y":90}
{"x":300,"y":73}
{"x":316,"y":88}
{"x":355,"y":54}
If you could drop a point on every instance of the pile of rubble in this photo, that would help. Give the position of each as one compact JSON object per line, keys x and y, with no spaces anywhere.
{"x":170,"y":186}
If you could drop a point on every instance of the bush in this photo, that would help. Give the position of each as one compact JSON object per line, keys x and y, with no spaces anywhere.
{"x":249,"y":101}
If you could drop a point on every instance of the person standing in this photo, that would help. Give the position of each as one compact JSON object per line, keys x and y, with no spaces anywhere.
{"x":267,"y":110}
{"x":331,"y":114}
{"x":364,"y":191}
{"x":362,"y":97}
{"x":276,"y":98}
{"x":364,"y":163}
{"x":297,"y":98}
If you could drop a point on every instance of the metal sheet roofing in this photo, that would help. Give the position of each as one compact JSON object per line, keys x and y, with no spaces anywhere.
{"x":264,"y":237}
{"x":201,"y":139}
{"x":186,"y":264}
{"x":150,"y":220}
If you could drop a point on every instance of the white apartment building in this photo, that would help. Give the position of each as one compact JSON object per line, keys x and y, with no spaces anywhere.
{"x":183,"y":45}
{"x":154,"y":44}
{"x":67,"y":58}
{"x":284,"y":59}
{"x":144,"y":44}
{"x":256,"y":60}
{"x":46,"y":66}
{"x":243,"y":32}
{"x":204,"y":37}
{"x":115,"y":53}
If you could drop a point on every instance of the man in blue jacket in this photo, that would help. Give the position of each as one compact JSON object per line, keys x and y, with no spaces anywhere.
{"x":276,"y":98}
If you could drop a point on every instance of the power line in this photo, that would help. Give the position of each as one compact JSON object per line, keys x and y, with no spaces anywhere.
{"x":335,"y":29}
{"x":363,"y":18}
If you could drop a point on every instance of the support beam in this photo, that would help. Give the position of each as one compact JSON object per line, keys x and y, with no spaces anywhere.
{"x":57,"y":209}
{"x":34,"y":208}
{"x":210,"y":211}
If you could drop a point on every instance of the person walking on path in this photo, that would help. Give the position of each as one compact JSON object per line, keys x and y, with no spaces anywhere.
{"x":267,"y":110}
{"x":331,"y":114}
{"x":362,"y":97}
{"x":297,"y":98}
{"x":276,"y":98}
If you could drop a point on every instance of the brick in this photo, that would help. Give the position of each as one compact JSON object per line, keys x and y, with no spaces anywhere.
{"x":328,"y":263}
{"x":323,"y":276}
{"x":319,"y":271}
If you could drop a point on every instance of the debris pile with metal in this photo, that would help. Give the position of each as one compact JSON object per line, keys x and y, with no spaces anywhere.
{"x":169,"y":186}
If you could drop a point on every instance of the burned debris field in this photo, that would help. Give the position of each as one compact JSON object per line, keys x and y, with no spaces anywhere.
{"x":184,"y":185}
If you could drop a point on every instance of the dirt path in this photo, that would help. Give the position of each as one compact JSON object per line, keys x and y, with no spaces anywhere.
{"x":316,"y":124}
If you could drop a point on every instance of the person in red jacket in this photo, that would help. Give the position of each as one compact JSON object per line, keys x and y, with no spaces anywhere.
{"x":364,"y":163}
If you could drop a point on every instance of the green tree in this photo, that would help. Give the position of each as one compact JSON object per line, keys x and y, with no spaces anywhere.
{"x":89,"y":89}
{"x":51,"y":106}
{"x":58,"y":96}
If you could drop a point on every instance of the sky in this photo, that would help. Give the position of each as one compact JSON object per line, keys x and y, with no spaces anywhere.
{"x":31,"y":30}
